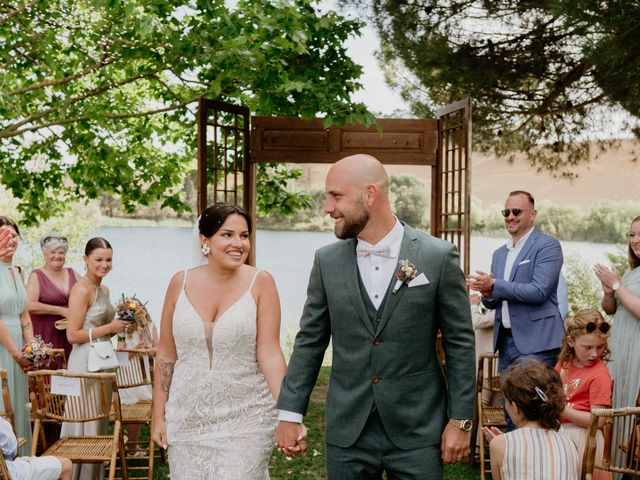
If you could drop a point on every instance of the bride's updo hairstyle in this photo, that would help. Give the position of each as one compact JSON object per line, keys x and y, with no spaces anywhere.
{"x":214,"y":216}
{"x":94,"y":244}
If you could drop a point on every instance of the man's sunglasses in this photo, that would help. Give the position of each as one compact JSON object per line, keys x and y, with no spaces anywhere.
{"x":516,"y":212}
{"x":592,"y":326}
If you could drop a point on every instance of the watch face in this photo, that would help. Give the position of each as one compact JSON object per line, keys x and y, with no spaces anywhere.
{"x":467,"y":425}
{"x":615,"y":286}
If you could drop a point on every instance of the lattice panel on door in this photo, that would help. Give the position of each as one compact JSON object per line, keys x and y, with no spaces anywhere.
{"x":224,"y":172}
{"x":451,"y":186}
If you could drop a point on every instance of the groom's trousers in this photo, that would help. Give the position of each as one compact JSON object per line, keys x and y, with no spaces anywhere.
{"x":374,"y":453}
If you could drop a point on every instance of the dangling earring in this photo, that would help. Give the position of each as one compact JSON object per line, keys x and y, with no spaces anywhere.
{"x":205,"y":249}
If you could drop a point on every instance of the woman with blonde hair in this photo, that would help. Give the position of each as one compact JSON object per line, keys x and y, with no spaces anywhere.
{"x":622,"y":299}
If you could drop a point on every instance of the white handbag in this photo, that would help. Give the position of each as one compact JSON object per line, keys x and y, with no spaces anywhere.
{"x":102,"y":356}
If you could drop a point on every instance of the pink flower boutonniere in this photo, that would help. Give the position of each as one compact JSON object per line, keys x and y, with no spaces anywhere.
{"x":406,"y":273}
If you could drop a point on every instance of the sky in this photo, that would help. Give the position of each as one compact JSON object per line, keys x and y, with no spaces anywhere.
{"x":376,"y":95}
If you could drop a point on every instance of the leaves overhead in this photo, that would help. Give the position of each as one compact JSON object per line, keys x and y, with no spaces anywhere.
{"x":542,"y":74}
{"x":100,"y":96}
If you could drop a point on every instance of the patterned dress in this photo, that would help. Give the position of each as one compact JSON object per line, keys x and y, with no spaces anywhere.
{"x":220,"y":414}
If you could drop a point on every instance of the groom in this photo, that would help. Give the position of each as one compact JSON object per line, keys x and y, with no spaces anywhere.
{"x":389,"y":406}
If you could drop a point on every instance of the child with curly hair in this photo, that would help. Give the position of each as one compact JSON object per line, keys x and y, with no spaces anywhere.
{"x":536,"y":449}
{"x":586,"y":381}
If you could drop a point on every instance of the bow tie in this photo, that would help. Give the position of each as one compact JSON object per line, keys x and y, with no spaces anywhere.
{"x":364,"y":250}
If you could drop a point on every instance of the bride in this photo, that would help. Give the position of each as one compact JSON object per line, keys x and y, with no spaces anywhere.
{"x":219,"y":364}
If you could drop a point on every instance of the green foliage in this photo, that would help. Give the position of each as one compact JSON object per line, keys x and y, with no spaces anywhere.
{"x":75,"y":224}
{"x":619,"y":260}
{"x":583,"y":288}
{"x":560,"y":221}
{"x":609,"y":222}
{"x":542,"y":75}
{"x":100,"y":97}
{"x":409,"y":200}
{"x":606,"y":222}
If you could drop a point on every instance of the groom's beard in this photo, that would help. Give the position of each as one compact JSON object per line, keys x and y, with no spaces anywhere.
{"x":352,"y":226}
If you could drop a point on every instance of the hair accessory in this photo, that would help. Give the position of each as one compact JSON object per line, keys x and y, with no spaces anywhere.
{"x":205,"y":249}
{"x":542,"y":395}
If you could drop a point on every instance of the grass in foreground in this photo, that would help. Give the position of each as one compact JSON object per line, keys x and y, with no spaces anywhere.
{"x":311,"y":466}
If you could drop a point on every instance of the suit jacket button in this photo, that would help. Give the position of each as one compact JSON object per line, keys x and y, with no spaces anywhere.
{"x":375,"y":379}
{"x":377,"y":341}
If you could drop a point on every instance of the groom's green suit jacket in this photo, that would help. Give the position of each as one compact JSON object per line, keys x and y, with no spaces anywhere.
{"x":394,"y":365}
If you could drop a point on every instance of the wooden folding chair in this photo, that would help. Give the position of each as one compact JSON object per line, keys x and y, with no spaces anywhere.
{"x":8,"y":407}
{"x":621,"y":433}
{"x":137,"y":373}
{"x":487,"y":385}
{"x":4,"y":470}
{"x":95,"y":395}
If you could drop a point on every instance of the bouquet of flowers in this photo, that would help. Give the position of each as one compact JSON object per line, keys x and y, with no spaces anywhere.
{"x":131,"y":309}
{"x":38,"y":352}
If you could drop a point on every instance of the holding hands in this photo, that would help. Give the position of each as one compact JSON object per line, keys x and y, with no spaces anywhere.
{"x":290,"y":438}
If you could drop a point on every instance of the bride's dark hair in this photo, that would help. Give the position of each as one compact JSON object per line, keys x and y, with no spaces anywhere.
{"x":215,"y":215}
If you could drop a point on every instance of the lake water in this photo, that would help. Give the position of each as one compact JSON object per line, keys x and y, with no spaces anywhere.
{"x":145,"y":258}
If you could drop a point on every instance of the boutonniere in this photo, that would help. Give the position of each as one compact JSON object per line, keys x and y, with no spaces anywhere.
{"x":406,"y":273}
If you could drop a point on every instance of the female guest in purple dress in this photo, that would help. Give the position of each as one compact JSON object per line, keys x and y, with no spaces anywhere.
{"x":48,"y":290}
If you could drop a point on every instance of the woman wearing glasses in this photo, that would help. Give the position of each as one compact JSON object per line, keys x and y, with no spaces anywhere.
{"x":48,"y":289}
{"x":622,"y":298}
{"x":15,"y":328}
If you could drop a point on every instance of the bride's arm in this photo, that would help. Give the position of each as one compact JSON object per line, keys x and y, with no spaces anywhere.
{"x":268,"y":351}
{"x":165,"y":361}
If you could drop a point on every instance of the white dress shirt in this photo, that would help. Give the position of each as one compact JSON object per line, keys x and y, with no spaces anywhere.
{"x":376,"y":272}
{"x":514,"y":250}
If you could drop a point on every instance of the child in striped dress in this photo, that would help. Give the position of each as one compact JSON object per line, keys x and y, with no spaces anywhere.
{"x":536,"y":450}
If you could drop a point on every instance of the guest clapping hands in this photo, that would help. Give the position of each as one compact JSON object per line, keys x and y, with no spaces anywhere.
{"x":622,"y":298}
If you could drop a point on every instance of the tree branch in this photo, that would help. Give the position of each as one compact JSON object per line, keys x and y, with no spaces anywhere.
{"x":16,"y":11}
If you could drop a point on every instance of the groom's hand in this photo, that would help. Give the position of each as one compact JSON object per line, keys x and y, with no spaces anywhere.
{"x":290,"y":438}
{"x":455,"y":444}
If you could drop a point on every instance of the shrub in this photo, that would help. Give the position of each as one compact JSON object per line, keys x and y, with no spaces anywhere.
{"x":583,"y":288}
{"x":409,"y":200}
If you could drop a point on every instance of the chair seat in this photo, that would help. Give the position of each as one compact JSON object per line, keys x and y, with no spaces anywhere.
{"x":83,"y":449}
{"x":493,"y":416}
{"x":139,"y":412}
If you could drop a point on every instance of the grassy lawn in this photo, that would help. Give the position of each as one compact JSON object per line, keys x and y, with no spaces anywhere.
{"x":311,"y":466}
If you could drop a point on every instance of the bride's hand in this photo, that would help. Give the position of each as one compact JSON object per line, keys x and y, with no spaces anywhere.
{"x":159,"y":433}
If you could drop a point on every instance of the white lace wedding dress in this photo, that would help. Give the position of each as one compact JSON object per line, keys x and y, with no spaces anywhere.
{"x":220,"y":414}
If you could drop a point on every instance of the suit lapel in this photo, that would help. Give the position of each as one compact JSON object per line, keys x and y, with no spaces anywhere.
{"x":526,"y":248}
{"x":352,"y":285}
{"x":407,"y":252}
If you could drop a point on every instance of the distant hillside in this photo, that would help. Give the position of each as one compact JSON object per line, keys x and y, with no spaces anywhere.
{"x":614,"y":175}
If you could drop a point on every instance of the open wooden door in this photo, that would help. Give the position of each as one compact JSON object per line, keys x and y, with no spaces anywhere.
{"x":451,"y":180}
{"x":225,"y":172}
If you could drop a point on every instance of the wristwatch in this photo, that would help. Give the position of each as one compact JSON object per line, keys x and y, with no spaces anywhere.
{"x":465,"y":424}
{"x":615,"y":286}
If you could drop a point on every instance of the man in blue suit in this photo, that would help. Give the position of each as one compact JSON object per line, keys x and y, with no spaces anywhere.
{"x":522,"y":288}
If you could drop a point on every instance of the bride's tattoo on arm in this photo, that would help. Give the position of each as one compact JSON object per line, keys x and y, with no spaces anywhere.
{"x":166,"y":375}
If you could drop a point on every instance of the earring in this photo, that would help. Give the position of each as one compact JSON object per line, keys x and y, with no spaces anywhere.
{"x":205,"y":249}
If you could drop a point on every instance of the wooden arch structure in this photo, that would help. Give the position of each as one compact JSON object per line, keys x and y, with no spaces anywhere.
{"x":231,"y":143}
